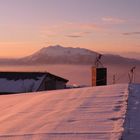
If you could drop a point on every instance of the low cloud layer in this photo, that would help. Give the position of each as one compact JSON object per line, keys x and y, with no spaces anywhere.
{"x":74,"y":36}
{"x":78,"y":34}
{"x":113,"y":20}
{"x":131,"y":33}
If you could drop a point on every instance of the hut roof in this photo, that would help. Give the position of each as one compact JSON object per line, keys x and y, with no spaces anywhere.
{"x":14,"y":82}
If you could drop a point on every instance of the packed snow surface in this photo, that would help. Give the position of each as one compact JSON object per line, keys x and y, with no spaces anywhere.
{"x":75,"y":114}
{"x":132,"y":123}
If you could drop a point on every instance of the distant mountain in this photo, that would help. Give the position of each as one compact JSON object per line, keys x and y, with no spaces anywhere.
{"x":61,"y":55}
{"x":68,"y":55}
{"x":8,"y":61}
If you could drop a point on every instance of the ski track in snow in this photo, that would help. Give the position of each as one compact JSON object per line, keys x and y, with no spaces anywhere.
{"x":92,"y":113}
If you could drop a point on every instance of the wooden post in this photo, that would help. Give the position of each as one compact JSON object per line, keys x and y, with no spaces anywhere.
{"x":114,"y":79}
{"x":93,"y":80}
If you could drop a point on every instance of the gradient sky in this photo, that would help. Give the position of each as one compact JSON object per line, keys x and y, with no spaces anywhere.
{"x":99,"y":25}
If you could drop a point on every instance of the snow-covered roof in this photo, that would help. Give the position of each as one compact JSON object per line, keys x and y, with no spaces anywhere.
{"x":76,"y":114}
{"x":15,"y":82}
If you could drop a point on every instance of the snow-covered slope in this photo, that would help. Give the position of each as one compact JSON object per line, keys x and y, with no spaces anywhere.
{"x":58,"y":54}
{"x":68,"y":55}
{"x":132,"y":123}
{"x":59,"y":50}
{"x":75,"y":114}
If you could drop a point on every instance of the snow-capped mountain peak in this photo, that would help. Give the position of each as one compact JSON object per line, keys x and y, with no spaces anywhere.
{"x":67,"y":55}
{"x":60,"y":54}
{"x":58,"y":50}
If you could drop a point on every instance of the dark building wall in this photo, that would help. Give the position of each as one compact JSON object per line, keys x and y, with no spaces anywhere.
{"x":99,"y":76}
{"x":60,"y":85}
{"x":51,"y":84}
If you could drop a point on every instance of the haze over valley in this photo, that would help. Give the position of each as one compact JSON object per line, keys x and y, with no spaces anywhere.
{"x":73,"y":64}
{"x":68,"y":55}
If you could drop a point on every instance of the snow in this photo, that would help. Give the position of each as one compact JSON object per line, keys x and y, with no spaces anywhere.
{"x":132,"y":123}
{"x":15,"y":86}
{"x":92,"y":113}
{"x":57,"y":51}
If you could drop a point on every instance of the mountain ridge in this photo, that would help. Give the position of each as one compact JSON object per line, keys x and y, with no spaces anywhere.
{"x":68,"y":55}
{"x":59,"y":54}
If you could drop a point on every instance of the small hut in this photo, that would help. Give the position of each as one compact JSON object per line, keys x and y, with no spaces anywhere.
{"x":21,"y":82}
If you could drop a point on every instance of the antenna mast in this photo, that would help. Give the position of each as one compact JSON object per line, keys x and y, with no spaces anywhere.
{"x":98,"y":61}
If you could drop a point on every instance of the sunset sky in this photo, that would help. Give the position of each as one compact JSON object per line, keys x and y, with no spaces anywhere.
{"x":111,"y":26}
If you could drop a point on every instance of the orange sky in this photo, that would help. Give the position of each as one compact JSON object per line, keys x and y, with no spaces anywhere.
{"x":104,"y":26}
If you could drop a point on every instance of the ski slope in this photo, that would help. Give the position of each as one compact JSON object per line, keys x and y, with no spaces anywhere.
{"x":75,"y":114}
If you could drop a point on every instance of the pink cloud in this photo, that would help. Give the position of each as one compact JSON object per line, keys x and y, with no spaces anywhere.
{"x":73,"y":30}
{"x":74,"y":36}
{"x":113,"y":20}
{"x":131,"y":33}
{"x":84,"y":26}
{"x":78,"y":34}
